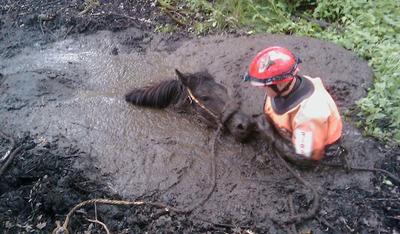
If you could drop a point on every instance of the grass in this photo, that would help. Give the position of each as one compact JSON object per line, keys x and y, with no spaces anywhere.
{"x":369,"y":28}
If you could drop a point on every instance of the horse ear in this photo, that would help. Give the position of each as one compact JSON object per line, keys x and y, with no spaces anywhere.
{"x":181,"y":76}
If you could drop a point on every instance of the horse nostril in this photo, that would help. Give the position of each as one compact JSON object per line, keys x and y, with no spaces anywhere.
{"x":240,"y":126}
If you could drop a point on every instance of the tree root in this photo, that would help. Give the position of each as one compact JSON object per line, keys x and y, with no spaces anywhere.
{"x":223,"y":225}
{"x":348,"y":167}
{"x":314,"y":207}
{"x":292,"y":213}
{"x":10,"y":154}
{"x":326,"y":223}
{"x":63,"y":229}
{"x":12,"y":142}
{"x":101,"y":223}
{"x":213,"y":174}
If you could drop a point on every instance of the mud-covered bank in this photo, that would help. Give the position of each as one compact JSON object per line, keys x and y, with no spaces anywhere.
{"x":36,"y":23}
{"x":70,"y":94}
{"x":43,"y":183}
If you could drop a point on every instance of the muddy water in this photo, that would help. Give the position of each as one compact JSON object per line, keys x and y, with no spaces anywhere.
{"x":75,"y":88}
{"x":79,"y":89}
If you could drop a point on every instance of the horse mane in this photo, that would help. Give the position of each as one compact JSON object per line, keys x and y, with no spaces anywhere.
{"x":159,"y":95}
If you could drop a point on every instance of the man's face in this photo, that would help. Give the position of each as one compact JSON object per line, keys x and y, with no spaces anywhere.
{"x":270,"y":92}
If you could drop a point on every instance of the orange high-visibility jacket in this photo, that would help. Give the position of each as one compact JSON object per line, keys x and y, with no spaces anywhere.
{"x":308,"y":117}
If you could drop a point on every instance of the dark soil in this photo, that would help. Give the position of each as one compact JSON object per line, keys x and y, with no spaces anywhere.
{"x":41,"y":186}
{"x":34,"y":23}
{"x":50,"y":176}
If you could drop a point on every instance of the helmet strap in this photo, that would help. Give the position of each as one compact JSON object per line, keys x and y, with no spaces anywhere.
{"x":280,"y":92}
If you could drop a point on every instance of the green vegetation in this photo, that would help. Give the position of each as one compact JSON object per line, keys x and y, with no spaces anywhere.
{"x":369,"y":28}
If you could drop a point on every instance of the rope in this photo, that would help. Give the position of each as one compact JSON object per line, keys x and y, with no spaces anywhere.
{"x":315,"y":205}
{"x":63,"y":229}
{"x":348,"y":167}
{"x":193,"y":98}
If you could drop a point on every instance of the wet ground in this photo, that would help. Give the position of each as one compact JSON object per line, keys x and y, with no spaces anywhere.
{"x":63,"y":101}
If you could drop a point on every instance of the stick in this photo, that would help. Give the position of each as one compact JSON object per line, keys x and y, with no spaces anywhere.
{"x":63,"y":229}
{"x":10,"y":159}
{"x":101,"y":223}
{"x":9,"y":156}
{"x":392,"y":176}
{"x":12,"y":142}
{"x":177,"y":21}
{"x":213,"y":174}
{"x":223,"y":225}
{"x":291,"y":212}
{"x":326,"y":223}
{"x":310,"y":213}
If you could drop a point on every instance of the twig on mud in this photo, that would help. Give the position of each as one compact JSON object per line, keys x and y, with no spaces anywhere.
{"x":168,"y":9}
{"x":348,"y":167}
{"x":174,"y":18}
{"x":50,"y":3}
{"x":63,"y":229}
{"x":12,"y":142}
{"x":213,"y":173}
{"x":291,"y":213}
{"x":223,"y":225}
{"x":323,"y":24}
{"x":95,"y":220}
{"x":326,"y":223}
{"x":132,"y":18}
{"x":41,"y":27}
{"x":315,"y":205}
{"x":269,"y":181}
{"x":8,"y":157}
{"x":68,"y":32}
{"x":395,"y":217}
{"x":383,"y":199}
{"x":101,"y":223}
{"x":90,"y":4}
{"x":95,"y":211}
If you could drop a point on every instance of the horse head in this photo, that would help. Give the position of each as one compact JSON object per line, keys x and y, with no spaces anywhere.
{"x":212,"y":101}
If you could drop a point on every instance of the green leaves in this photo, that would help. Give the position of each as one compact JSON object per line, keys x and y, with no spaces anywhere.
{"x":369,"y":28}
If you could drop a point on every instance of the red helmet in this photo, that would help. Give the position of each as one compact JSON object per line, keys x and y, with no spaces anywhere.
{"x":271,"y":66}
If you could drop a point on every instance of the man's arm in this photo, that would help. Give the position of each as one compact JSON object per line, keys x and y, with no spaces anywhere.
{"x":280,"y":145}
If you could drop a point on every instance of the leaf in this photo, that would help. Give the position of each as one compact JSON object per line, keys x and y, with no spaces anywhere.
{"x":40,"y":226}
{"x":387,"y":182}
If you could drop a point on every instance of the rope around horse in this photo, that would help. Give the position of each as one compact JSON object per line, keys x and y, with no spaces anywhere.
{"x":193,"y":98}
{"x":63,"y":229}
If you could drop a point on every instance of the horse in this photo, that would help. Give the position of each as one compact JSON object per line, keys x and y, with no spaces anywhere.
{"x":200,"y":94}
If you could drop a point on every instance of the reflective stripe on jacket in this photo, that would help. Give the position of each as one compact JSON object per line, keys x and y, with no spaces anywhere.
{"x":311,"y":124}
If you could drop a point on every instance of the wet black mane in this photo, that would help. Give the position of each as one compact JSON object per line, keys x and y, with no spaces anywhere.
{"x":159,"y":95}
{"x":165,"y":93}
{"x":202,"y":94}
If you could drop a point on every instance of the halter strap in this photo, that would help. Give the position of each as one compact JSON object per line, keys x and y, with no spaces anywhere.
{"x":193,"y":98}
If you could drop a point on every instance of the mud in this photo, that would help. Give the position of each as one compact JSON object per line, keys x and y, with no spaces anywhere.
{"x":36,"y":23}
{"x":64,"y":102}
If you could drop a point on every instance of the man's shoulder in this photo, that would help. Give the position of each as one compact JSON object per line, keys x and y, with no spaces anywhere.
{"x":314,"y":80}
{"x":314,"y":107}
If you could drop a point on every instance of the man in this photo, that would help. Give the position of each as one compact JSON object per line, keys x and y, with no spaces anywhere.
{"x":304,"y":117}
